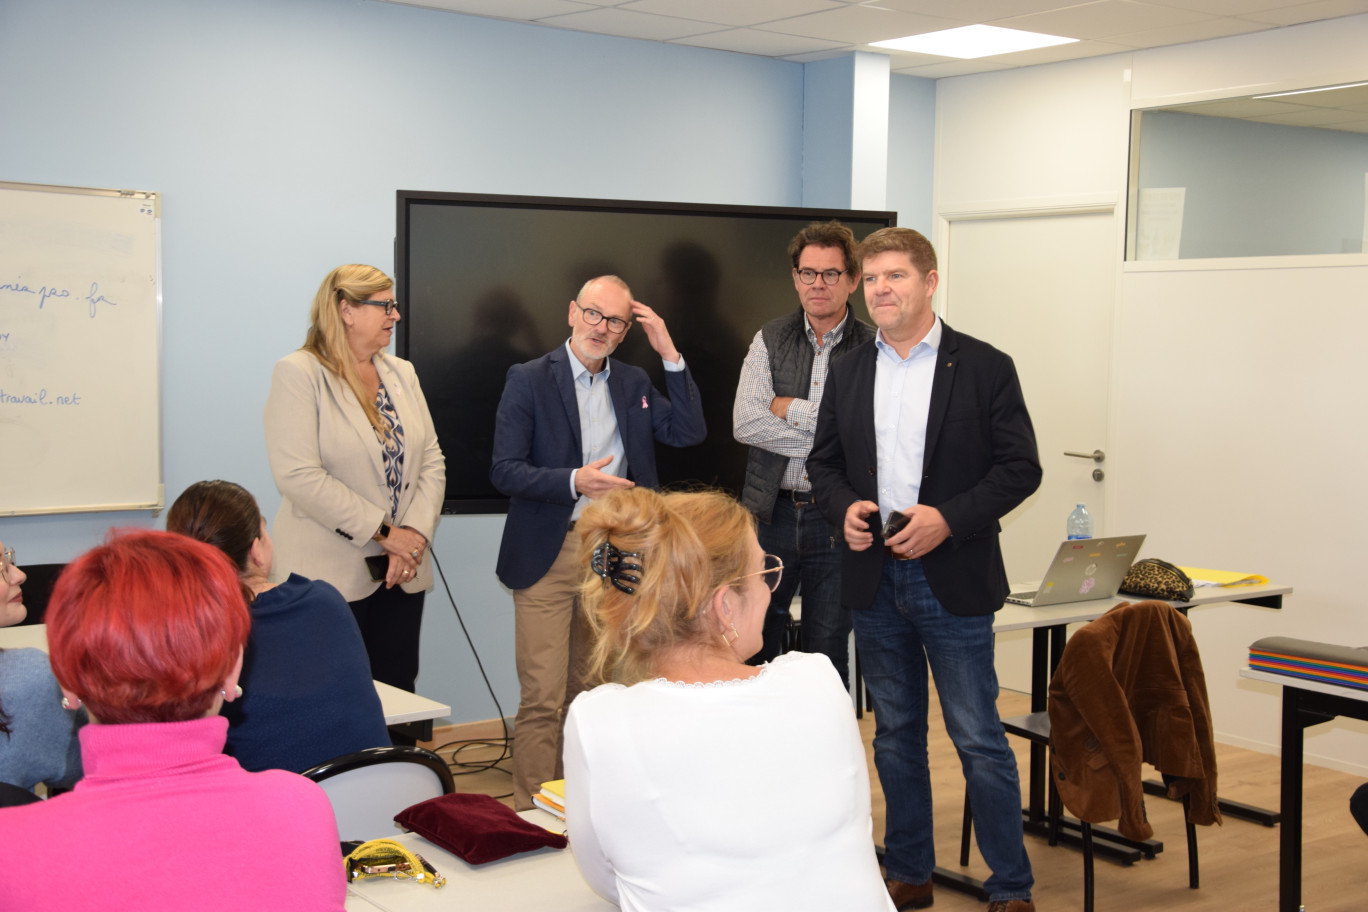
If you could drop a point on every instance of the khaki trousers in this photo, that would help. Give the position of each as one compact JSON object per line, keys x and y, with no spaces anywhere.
{"x":551,"y":643}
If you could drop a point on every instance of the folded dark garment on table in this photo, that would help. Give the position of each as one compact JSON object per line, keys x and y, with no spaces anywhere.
{"x":477,"y":828}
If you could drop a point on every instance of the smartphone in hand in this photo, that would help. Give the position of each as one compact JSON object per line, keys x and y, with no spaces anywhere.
{"x":378,"y":565}
{"x":896,"y":521}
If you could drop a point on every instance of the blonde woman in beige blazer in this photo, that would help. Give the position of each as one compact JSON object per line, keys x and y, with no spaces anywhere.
{"x":355,"y":456}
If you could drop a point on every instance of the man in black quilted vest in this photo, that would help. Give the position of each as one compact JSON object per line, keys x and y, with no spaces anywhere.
{"x":776,"y":415}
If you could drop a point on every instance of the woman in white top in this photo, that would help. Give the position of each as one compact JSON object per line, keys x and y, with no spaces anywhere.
{"x":695,"y":781}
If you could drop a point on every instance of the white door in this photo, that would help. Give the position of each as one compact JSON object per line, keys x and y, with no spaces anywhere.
{"x":1043,"y":289}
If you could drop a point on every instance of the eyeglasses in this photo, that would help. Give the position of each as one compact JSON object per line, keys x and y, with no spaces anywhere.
{"x":594,"y":318}
{"x":829,"y":276}
{"x":6,"y":561}
{"x":772,"y":574}
{"x":390,"y":306}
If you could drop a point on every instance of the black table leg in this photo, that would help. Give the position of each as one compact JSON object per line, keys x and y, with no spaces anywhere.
{"x":1289,"y":840}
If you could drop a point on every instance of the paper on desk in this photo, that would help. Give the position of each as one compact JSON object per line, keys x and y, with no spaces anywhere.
{"x":1201,"y":576}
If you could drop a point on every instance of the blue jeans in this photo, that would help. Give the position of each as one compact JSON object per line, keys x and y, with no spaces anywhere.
{"x":809,"y":546}
{"x":897,"y":635}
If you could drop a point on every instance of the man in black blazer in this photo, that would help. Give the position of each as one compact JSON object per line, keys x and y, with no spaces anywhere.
{"x":573,"y":425}
{"x":931,"y":424}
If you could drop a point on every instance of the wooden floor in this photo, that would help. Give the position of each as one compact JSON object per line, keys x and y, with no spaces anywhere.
{"x":1239,"y":861}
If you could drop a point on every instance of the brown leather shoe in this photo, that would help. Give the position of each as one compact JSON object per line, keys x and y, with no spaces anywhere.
{"x":1011,"y":905}
{"x":909,"y":896}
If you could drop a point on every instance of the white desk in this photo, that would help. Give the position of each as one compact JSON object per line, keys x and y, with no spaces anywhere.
{"x":1304,"y":703}
{"x":399,"y":706}
{"x":544,"y":879}
{"x":1049,"y":629}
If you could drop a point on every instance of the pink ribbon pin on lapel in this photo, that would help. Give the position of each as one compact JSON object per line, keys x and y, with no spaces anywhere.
{"x":644,"y":403}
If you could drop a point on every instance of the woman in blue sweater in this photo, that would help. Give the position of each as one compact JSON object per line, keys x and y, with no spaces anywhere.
{"x":307,"y":690}
{"x":38,"y":741}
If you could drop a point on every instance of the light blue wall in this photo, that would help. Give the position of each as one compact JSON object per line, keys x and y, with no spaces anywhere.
{"x":828,"y":117}
{"x":278,"y":131}
{"x":911,"y":149}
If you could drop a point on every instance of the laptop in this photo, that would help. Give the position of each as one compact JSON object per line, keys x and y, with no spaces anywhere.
{"x":1083,"y":569}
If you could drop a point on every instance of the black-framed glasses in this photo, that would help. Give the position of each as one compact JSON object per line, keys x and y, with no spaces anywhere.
{"x":772,"y":574}
{"x":829,"y":276}
{"x":390,"y":306}
{"x":616,"y":325}
{"x":6,"y":561}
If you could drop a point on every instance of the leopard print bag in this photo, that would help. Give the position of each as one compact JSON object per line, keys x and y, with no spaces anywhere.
{"x":1153,"y":578}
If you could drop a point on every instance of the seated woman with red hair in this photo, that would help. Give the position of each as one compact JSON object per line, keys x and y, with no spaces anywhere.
{"x":147,"y":632}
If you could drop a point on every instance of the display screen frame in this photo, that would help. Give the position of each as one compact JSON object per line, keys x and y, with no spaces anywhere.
{"x":484,"y":281}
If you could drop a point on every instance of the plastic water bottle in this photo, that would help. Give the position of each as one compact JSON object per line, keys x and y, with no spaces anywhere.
{"x":1080,"y":523}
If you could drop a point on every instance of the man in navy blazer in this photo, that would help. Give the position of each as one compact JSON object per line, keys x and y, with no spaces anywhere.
{"x":929,"y":424}
{"x":573,"y":425}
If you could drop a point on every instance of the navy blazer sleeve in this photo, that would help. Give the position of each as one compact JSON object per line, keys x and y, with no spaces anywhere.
{"x":678,"y":420}
{"x":532,"y":459}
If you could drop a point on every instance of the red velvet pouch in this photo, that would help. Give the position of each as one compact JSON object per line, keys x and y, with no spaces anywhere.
{"x":477,"y":828}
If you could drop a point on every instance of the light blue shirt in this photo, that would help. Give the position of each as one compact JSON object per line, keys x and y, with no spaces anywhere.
{"x":902,"y":405}
{"x":599,"y":435}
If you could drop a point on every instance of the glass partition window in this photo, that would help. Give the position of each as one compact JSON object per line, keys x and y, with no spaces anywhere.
{"x":1269,"y":175}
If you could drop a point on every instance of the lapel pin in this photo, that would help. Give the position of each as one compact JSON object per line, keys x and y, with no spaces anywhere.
{"x":644,"y":403}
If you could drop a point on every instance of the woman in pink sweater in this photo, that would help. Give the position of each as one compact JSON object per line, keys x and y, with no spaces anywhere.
{"x":147,"y":633}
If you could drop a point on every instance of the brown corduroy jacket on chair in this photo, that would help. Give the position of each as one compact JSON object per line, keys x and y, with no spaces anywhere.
{"x":1130,"y":689}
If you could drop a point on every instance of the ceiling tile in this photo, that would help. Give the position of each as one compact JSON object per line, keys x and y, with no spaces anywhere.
{"x":627,"y":24}
{"x":952,"y":68}
{"x":860,"y":25}
{"x":765,"y":44}
{"x":1310,"y":12}
{"x":1191,"y":31}
{"x":1243,"y":108}
{"x":1313,"y":117}
{"x":901,"y":60}
{"x":1057,"y":53}
{"x":526,"y":10}
{"x":840,"y":51}
{"x":1352,"y":98}
{"x":1226,"y":7}
{"x":978,"y":10}
{"x":732,"y":12}
{"x":1102,"y":19}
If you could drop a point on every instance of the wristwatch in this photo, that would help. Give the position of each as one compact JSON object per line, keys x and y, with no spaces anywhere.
{"x":382,"y":533}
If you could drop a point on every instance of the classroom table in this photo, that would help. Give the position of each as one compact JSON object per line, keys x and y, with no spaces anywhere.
{"x":399,"y":706}
{"x":542,"y":879}
{"x":1049,"y":630}
{"x":1304,"y":703}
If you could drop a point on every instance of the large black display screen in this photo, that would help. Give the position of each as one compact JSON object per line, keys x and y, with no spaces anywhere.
{"x":485,"y":282}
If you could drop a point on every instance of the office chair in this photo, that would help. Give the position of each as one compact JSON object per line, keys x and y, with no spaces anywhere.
{"x":369,"y":787}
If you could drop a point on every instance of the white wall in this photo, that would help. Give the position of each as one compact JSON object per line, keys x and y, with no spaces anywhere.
{"x":278,"y":132}
{"x":1236,"y":426}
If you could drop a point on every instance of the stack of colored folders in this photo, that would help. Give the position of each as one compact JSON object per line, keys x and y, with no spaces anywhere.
{"x":551,"y":798}
{"x":1346,"y":666}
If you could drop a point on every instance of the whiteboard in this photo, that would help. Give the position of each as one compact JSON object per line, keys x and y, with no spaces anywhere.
{"x":80,"y":350}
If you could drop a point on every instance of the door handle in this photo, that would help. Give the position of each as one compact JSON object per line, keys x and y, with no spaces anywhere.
{"x":1095,"y":455}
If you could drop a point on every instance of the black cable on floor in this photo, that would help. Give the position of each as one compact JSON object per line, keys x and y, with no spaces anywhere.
{"x":504,"y":744}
